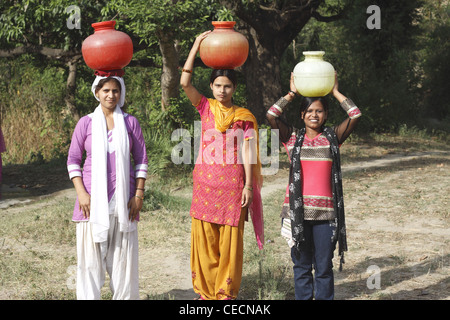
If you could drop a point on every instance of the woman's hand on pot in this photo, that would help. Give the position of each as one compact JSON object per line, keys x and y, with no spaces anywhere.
{"x":200,"y":38}
{"x":336,"y":85}
{"x":292,"y":84}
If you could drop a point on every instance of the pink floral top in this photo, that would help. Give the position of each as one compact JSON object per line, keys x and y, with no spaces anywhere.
{"x":219,"y":172}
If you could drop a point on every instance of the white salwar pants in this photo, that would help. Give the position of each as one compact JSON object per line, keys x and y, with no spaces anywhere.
{"x":118,"y":256}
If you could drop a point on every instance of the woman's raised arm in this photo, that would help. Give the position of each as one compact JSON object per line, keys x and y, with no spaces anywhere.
{"x":347,"y":126}
{"x":273,"y":114}
{"x":186,"y":75}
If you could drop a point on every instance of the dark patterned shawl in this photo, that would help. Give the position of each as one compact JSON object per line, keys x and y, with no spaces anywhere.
{"x":296,"y":195}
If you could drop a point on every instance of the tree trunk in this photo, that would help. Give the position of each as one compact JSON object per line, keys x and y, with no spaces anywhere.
{"x":170,"y":77}
{"x":262,"y":74}
{"x":262,"y":69}
{"x":270,"y":28}
{"x":71,"y":89}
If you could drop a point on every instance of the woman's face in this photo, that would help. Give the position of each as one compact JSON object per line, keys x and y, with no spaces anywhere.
{"x":315,"y":116}
{"x":109,"y":95}
{"x":223,"y":89}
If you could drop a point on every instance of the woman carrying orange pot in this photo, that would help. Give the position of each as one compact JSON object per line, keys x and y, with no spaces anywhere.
{"x":226,"y":187}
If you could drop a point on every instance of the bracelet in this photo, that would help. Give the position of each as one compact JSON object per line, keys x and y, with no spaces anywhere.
{"x":248,"y":188}
{"x":293,"y":92}
{"x":140,"y":189}
{"x":352,"y":110}
{"x":347,"y":104}
{"x":139,"y":197}
{"x":187,"y":70}
{"x":282,"y":103}
{"x":277,"y":108}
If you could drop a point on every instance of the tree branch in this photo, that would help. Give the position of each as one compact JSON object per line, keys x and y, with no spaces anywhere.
{"x":321,"y":18}
{"x":297,"y":9}
{"x":332,"y":18}
{"x":45,"y":51}
{"x":146,"y":63}
{"x":65,"y":55}
{"x":288,"y":9}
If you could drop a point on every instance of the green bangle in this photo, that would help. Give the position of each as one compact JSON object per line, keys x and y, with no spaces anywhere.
{"x":248,"y":188}
{"x":139,"y":197}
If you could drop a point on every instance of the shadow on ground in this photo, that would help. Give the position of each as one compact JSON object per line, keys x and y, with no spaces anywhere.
{"x":25,"y":182}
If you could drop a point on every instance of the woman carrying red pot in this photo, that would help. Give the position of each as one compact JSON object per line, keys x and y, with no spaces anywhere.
{"x":225,"y":190}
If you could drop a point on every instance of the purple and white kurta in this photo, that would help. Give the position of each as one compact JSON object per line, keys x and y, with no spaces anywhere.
{"x":82,"y":142}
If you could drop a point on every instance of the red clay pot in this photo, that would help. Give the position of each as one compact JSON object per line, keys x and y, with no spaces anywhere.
{"x":224,"y":48}
{"x":107,"y":48}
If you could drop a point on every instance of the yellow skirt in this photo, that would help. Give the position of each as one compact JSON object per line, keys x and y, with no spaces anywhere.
{"x":217,"y":253}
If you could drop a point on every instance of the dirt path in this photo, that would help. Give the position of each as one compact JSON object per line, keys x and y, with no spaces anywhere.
{"x":408,"y":253}
{"x":409,"y":250}
{"x":281,"y":182}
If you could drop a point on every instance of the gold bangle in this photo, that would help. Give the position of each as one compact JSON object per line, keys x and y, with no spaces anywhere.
{"x":187,"y":70}
{"x":139,"y":197}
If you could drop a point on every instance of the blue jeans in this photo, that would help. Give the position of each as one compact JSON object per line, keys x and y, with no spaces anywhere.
{"x":317,"y":251}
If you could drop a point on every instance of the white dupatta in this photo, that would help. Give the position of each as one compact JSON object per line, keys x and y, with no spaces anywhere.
{"x":99,"y":217}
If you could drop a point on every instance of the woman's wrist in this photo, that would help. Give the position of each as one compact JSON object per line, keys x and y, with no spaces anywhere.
{"x":339,"y":96}
{"x":347,"y":104}
{"x":139,"y":193}
{"x":350,"y":107}
{"x":278,"y":107}
{"x":139,"y":197}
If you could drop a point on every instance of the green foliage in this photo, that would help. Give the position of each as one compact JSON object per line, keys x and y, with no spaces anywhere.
{"x":376,"y":68}
{"x":382,"y":61}
{"x":34,"y":22}
{"x":436,"y":56}
{"x":31,"y":99}
{"x":155,"y":200}
{"x":158,"y":150}
{"x":396,"y":75}
{"x":150,"y":19}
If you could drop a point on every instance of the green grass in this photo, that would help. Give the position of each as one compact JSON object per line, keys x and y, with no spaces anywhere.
{"x":267,"y":273}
